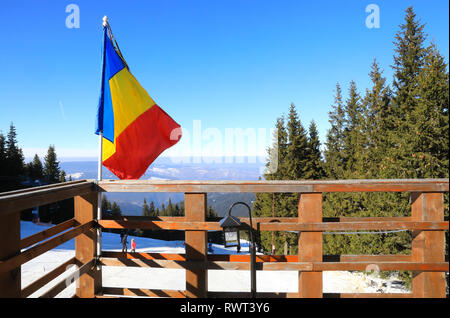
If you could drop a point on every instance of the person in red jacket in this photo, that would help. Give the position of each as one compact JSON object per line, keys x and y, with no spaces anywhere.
{"x":133,"y":245}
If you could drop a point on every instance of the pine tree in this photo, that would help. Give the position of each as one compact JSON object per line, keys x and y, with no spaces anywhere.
{"x":211,"y":213}
{"x":430,"y":118}
{"x":290,"y":149}
{"x":181,"y":208}
{"x":314,"y":165}
{"x":276,"y":166}
{"x":35,"y":169}
{"x":115,"y":209}
{"x":409,"y":61}
{"x":2,"y":155}
{"x":353,"y":147}
{"x":152,"y":210}
{"x":170,"y":210}
{"x":145,"y":209}
{"x":163,"y":211}
{"x":62,"y":176}
{"x":377,"y":104}
{"x":334,"y":167}
{"x":296,"y":156}
{"x":177,"y":210}
{"x":51,"y":170}
{"x":14,"y":156}
{"x":106,"y":205}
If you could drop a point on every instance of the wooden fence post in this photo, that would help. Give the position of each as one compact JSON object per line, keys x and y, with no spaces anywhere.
{"x":310,"y":245}
{"x":428,"y":246}
{"x":85,"y":246}
{"x":10,"y":281}
{"x":196,"y":245}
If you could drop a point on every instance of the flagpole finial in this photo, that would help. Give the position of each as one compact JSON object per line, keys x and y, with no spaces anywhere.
{"x":105,"y":21}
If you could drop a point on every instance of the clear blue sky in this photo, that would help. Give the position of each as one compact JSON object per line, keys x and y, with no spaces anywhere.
{"x":228,"y":63}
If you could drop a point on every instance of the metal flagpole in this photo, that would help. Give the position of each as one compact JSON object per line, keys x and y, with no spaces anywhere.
{"x":99,"y":199}
{"x":100,"y":153}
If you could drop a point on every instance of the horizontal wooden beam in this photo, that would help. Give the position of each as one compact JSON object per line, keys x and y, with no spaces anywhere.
{"x":155,"y":263}
{"x":256,"y":220}
{"x":259,"y":258}
{"x":282,"y":226}
{"x":37,"y":250}
{"x":210,"y":257}
{"x":278,"y":266}
{"x":380,"y":266}
{"x":117,"y":291}
{"x":357,"y":226}
{"x":37,"y":284}
{"x":307,"y":186}
{"x":203,"y":265}
{"x":367,"y":258}
{"x":150,"y":256}
{"x":48,"y":186}
{"x":45,"y":234}
{"x":10,"y":203}
{"x":160,"y":225}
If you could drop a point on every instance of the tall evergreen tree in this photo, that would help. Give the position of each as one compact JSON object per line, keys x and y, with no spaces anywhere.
{"x":353,"y":147}
{"x":170,"y":210}
{"x":290,"y":150}
{"x":2,"y":155}
{"x":377,"y":104}
{"x":163,"y":211}
{"x":314,"y":165}
{"x":106,"y":205}
{"x":146,"y":209}
{"x":409,"y":60}
{"x":35,"y":169}
{"x":62,"y":176}
{"x":115,"y":209}
{"x":334,"y":144}
{"x":297,"y":145}
{"x":152,"y":210}
{"x":211,"y":213}
{"x":51,"y":170}
{"x":14,"y":157}
{"x":276,"y":166}
{"x":430,"y":118}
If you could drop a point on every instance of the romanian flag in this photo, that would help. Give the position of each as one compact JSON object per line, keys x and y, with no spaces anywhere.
{"x":135,"y":129}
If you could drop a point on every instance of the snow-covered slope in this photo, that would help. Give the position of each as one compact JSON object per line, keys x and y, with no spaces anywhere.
{"x":175,"y":279}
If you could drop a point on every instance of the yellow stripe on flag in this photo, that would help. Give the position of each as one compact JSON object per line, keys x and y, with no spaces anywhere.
{"x":108,"y":149}
{"x":129,"y":100}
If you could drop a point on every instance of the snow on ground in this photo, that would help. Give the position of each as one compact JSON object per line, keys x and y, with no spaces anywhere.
{"x":175,"y":279}
{"x":76,"y":175}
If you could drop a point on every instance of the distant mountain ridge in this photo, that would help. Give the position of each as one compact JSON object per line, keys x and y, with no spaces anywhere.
{"x":218,"y":168}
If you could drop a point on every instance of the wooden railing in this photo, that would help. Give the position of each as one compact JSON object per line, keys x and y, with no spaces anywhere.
{"x":427,"y":260}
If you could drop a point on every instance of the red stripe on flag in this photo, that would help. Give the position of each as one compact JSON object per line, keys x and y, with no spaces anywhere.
{"x":142,"y":142}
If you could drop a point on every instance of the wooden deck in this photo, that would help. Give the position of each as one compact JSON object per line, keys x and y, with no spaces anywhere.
{"x":427,"y":260}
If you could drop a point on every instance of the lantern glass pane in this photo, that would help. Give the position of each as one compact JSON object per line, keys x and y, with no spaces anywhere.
{"x":231,"y":237}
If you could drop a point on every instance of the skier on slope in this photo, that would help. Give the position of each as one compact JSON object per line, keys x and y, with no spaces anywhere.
{"x":124,"y":242}
{"x":133,"y":245}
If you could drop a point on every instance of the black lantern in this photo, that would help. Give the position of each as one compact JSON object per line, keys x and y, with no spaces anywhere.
{"x":231,"y":226}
